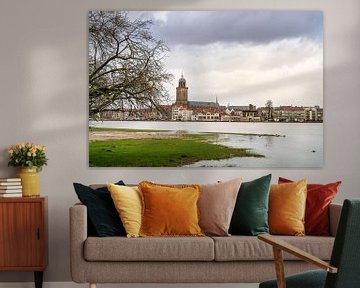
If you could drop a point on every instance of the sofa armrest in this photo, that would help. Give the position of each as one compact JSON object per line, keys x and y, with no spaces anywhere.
{"x":334,"y":217}
{"x":78,"y":235}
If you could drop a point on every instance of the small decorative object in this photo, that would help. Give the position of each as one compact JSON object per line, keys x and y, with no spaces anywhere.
{"x":30,"y":158}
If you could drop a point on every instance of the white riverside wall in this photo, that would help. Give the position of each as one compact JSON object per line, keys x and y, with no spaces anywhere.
{"x":43,"y":98}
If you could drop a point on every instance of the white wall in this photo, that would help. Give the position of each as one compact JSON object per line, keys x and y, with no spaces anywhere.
{"x":43,"y":90}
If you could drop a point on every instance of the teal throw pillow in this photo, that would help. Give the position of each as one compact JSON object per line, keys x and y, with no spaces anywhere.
{"x":250,"y":216}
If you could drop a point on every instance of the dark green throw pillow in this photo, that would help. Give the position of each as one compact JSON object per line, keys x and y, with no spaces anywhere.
{"x":250,"y":216}
{"x":103,"y":219}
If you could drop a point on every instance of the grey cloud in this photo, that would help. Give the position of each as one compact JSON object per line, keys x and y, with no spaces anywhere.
{"x":206,"y":27}
{"x":311,"y":81}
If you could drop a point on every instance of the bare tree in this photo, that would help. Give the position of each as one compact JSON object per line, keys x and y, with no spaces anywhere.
{"x":269,"y":105}
{"x":126,"y":69}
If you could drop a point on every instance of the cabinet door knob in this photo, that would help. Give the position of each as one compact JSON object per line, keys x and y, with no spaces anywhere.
{"x":38,"y":234}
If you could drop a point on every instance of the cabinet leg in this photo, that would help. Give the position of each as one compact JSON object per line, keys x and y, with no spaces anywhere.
{"x":38,"y":279}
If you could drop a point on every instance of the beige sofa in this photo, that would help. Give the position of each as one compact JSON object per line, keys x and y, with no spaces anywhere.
{"x":234,"y":259}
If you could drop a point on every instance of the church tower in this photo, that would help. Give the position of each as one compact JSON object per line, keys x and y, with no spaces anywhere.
{"x":182,"y":92}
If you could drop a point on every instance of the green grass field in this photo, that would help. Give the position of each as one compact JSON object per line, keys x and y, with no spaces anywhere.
{"x":168,"y":152}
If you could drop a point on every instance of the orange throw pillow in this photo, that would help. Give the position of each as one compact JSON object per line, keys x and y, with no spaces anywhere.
{"x":287,"y":204}
{"x":319,"y":197}
{"x":169,"y":210}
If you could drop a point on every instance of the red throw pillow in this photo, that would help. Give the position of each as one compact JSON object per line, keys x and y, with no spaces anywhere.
{"x":319,"y":197}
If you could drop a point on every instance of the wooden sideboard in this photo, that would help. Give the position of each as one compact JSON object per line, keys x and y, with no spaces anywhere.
{"x":23,"y":235}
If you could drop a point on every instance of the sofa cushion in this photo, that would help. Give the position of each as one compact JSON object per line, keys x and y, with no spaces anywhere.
{"x":102,"y":215}
{"x":245,"y":248}
{"x":149,"y":249}
{"x":250,"y":215}
{"x":318,"y":199}
{"x":127,"y":201}
{"x":216,"y":206}
{"x":169,"y":210}
{"x":287,"y":204}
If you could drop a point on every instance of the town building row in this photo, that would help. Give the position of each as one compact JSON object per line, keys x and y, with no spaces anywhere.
{"x":225,"y":114}
{"x":185,"y":110}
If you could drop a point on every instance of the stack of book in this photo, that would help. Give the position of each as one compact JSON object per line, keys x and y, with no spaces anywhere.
{"x":10,"y":187}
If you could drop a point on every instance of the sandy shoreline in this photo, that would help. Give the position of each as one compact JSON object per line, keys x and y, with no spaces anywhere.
{"x":121,"y":135}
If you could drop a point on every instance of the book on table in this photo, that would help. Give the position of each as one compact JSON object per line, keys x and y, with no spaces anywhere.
{"x":10,"y":191}
{"x":9,"y":180}
{"x":10,"y":183}
{"x":10,"y":187}
{"x":2,"y":188}
{"x":9,"y":195}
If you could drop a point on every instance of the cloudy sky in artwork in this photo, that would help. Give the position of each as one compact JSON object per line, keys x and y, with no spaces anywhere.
{"x":244,"y":57}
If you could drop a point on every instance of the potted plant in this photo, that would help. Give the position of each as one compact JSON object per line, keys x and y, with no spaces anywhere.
{"x":30,"y":158}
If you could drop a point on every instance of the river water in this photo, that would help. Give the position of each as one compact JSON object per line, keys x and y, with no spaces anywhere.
{"x":297,"y":145}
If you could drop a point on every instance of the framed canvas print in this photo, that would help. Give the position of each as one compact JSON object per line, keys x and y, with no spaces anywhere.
{"x":205,"y":88}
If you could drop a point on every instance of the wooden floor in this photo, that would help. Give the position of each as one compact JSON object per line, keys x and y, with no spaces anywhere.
{"x":74,"y":285}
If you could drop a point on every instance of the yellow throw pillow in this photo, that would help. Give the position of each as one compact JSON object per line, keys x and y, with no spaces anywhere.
{"x":169,"y":210}
{"x":127,"y":201}
{"x":287,"y":204}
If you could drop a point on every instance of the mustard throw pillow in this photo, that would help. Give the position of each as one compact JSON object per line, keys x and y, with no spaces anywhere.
{"x":169,"y":210}
{"x":127,"y":201}
{"x":287,"y":204}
